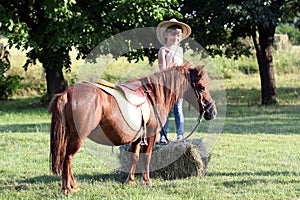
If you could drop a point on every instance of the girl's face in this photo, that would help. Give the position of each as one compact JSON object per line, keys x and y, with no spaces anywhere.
{"x":173,"y":36}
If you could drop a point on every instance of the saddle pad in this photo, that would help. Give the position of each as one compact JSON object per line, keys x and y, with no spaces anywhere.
{"x":131,"y":113}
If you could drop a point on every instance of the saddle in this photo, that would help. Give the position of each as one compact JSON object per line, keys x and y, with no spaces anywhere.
{"x":133,"y":92}
{"x":131,"y":101}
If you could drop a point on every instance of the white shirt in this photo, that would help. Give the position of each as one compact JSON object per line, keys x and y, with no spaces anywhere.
{"x":170,"y":57}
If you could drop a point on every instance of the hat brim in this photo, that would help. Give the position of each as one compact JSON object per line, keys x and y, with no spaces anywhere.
{"x":163,"y":26}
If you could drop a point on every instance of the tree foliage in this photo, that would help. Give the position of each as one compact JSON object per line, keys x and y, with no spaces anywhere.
{"x":8,"y":84}
{"x":48,"y":29}
{"x":222,"y":24}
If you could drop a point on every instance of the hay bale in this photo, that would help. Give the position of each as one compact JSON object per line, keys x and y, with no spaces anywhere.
{"x":175,"y":160}
{"x":282,"y":42}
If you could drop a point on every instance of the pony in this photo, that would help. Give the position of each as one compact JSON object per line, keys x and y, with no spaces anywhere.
{"x":84,"y":110}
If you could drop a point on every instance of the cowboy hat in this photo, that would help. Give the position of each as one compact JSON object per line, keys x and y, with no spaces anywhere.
{"x":163,"y":26}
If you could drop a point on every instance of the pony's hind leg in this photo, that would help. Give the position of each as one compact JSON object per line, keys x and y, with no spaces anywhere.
{"x":135,"y":150}
{"x":69,"y":184}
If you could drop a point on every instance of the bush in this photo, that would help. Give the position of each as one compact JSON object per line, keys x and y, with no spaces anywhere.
{"x":248,"y":68}
{"x":291,"y":31}
{"x":8,"y":84}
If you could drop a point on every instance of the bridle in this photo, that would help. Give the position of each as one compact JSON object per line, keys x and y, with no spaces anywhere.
{"x":198,"y":94}
{"x":203,"y":108}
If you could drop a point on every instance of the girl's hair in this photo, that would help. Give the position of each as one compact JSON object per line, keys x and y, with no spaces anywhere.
{"x":174,"y":27}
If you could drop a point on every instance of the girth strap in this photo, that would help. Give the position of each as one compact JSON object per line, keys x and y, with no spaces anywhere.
{"x":154,"y":109}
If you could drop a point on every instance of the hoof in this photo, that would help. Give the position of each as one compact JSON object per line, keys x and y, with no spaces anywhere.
{"x":146,"y":183}
{"x":69,"y":191}
{"x":75,"y":190}
{"x":65,"y":191}
{"x":130,"y":182}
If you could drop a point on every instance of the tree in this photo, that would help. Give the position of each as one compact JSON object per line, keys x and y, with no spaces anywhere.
{"x":49,"y":29}
{"x":39,"y":26}
{"x":223,"y":23}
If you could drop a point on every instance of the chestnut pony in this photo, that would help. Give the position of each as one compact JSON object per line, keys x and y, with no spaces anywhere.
{"x":85,"y":110}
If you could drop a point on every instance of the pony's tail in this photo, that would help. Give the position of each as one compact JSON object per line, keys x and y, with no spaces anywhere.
{"x":58,"y":132}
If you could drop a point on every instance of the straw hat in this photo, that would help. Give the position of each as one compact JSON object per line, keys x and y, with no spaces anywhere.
{"x":162,"y":27}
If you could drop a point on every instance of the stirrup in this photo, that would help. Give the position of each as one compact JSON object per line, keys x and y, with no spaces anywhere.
{"x":144,"y":136}
{"x":163,"y":141}
{"x":144,"y":142}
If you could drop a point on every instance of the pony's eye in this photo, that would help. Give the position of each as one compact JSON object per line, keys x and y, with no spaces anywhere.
{"x":201,"y":88}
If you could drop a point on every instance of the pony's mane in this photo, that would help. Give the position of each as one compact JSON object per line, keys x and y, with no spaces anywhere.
{"x":156,"y":76}
{"x":171,"y":74}
{"x":169,"y":85}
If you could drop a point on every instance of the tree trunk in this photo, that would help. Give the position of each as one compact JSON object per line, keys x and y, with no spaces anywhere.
{"x":55,"y":80}
{"x":54,"y":75}
{"x":264,"y":55}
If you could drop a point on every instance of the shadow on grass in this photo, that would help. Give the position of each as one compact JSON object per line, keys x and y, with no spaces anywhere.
{"x":263,"y":173}
{"x":252,"y":178}
{"x":253,"y":181}
{"x":102,"y":177}
{"x":25,"y":128}
{"x":48,"y":179}
{"x":251,"y":97}
{"x":23,"y":183}
{"x":22,"y":104}
{"x":262,"y":119}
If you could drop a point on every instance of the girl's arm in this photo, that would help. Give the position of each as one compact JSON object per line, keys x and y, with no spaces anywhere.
{"x":162,"y":59}
{"x":180,"y":54}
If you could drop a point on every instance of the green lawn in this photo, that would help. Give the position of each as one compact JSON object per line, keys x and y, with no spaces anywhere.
{"x":257,"y":156}
{"x":243,"y":166}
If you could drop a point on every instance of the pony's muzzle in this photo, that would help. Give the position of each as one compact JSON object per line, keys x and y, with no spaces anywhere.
{"x":210,"y":111}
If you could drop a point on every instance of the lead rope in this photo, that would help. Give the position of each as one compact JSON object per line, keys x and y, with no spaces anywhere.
{"x":199,"y":120}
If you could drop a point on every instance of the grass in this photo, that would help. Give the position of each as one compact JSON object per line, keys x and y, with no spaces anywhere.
{"x":256,"y":157}
{"x":244,"y":166}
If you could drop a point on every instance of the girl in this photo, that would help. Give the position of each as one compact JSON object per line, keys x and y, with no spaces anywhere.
{"x":170,"y":34}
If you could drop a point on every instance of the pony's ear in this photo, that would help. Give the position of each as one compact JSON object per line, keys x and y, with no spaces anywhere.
{"x":200,"y":70}
{"x":188,"y":65}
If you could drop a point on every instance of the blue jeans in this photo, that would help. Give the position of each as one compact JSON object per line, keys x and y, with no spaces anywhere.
{"x":179,"y":119}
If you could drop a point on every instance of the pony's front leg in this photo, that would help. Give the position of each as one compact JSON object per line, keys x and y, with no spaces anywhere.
{"x":145,"y":179}
{"x":135,"y":149}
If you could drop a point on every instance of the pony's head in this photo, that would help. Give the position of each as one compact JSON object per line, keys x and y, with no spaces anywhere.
{"x":198,"y":94}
